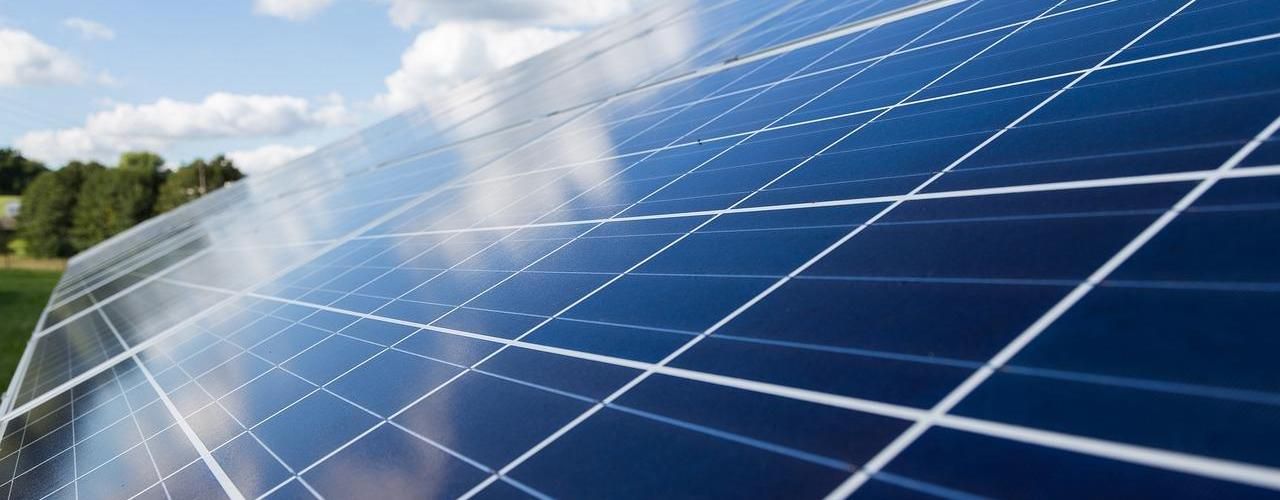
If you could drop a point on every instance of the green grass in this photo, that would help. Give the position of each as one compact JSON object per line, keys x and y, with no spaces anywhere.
{"x":23,"y":294}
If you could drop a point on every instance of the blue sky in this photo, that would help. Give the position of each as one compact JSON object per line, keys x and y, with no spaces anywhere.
{"x":264,"y":80}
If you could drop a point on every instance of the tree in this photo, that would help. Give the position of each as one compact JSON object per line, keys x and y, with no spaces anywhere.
{"x":48,"y":207}
{"x":113,"y":200}
{"x":193,"y":180}
{"x":146,"y":168}
{"x":141,"y":161}
{"x":17,"y":172}
{"x":82,"y":204}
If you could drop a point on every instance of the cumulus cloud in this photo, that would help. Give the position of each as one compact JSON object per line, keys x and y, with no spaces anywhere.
{"x":293,"y":10}
{"x":219,"y":115}
{"x":267,"y":157}
{"x":89,"y":30}
{"x":25,"y":60}
{"x":453,"y":52}
{"x":563,"y":13}
{"x":154,"y":126}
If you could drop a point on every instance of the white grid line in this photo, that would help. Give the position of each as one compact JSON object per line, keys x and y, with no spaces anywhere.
{"x":1134,"y":180}
{"x":500,"y":349}
{"x":133,"y":351}
{"x":1259,"y":171}
{"x":116,"y":296}
{"x":1206,"y":178}
{"x":635,"y":381}
{"x":1260,"y":477}
{"x":374,"y":223}
{"x":247,"y":429}
{"x":1143,"y":60}
{"x":214,"y":467}
{"x":886,"y":455}
{"x":142,"y":435}
{"x":885,"y":18}
{"x":139,"y":259}
{"x":269,"y":279}
{"x":1172,"y":460}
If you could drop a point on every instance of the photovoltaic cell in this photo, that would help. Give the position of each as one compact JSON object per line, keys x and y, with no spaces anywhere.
{"x":865,"y":249}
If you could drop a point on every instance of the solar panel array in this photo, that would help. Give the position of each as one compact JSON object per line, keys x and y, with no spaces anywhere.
{"x":739,"y":248}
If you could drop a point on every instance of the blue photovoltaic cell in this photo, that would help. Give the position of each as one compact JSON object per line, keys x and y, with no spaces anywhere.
{"x":867,"y":248}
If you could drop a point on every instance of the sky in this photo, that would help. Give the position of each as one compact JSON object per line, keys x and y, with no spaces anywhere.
{"x":264,"y":81}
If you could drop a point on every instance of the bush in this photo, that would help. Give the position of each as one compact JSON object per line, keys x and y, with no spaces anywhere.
{"x":19,"y":248}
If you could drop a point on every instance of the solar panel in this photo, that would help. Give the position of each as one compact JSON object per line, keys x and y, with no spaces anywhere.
{"x":876,"y":248}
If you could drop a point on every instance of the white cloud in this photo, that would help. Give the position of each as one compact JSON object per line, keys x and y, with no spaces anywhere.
{"x":219,"y":115}
{"x":107,"y":79}
{"x":25,"y":60}
{"x":154,"y":126}
{"x":293,"y":10}
{"x":454,"y":52}
{"x":262,"y":159}
{"x":563,"y":13}
{"x":89,"y":30}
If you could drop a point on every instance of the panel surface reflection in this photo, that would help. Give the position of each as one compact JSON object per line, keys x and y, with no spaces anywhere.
{"x":719,"y":248}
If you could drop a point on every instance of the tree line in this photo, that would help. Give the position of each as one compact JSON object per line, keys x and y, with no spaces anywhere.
{"x":74,"y":207}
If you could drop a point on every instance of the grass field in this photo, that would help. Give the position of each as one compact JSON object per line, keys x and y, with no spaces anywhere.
{"x":22,"y":296}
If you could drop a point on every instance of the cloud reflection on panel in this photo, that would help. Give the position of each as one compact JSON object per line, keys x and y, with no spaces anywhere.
{"x":569,"y":160}
{"x":469,"y":129}
{"x":559,"y":79}
{"x":572,"y":155}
